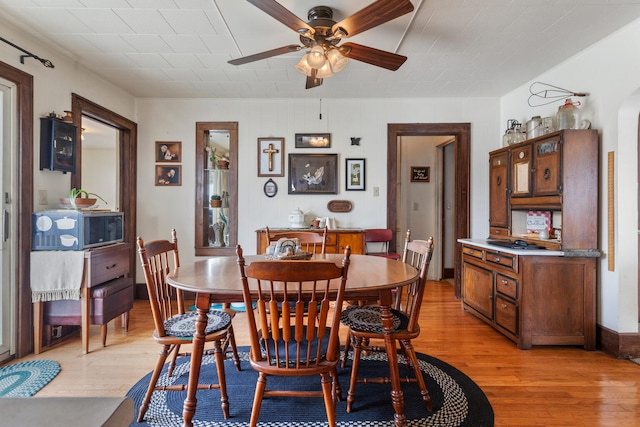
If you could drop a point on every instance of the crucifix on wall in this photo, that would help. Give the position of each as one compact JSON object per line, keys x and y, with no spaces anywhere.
{"x":270,"y":156}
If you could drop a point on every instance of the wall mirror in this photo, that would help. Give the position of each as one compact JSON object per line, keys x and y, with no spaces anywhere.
{"x":100,"y":154}
{"x":216,"y":222}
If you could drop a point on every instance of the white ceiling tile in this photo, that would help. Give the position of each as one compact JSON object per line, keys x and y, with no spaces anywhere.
{"x":111,"y":43}
{"x":145,"y":21}
{"x":185,"y":43}
{"x":147,"y":43}
{"x":101,"y":21}
{"x":189,"y":21}
{"x":182,"y":61}
{"x":148,"y":60}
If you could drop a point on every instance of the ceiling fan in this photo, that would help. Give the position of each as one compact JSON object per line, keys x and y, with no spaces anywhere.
{"x":321,"y":34}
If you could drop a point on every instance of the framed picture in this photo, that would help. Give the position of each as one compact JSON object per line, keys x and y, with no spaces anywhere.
{"x":313,"y":140}
{"x":270,"y":156}
{"x":169,"y":175}
{"x":419,"y":173}
{"x":270,"y":188}
{"x":168,"y":151}
{"x":355,"y":173}
{"x":313,"y":174}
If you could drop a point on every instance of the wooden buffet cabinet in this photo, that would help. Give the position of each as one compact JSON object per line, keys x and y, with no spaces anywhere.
{"x":337,"y":239}
{"x":544,"y":296}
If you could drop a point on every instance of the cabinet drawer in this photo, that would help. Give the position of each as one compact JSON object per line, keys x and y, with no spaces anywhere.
{"x":507,"y":285}
{"x":476,"y":253}
{"x":506,"y":314}
{"x":505,"y":260}
{"x":331,"y":243}
{"x":497,"y":232}
{"x":107,"y":263}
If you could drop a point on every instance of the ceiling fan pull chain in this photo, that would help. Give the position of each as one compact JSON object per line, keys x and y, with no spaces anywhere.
{"x":320,"y":108}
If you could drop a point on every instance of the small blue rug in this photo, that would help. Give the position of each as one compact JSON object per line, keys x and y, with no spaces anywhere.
{"x":457,"y":400}
{"x":25,"y":379}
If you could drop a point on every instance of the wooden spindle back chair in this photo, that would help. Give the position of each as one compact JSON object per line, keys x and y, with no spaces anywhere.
{"x":405,"y":312}
{"x":174,"y":325}
{"x":294,"y":327}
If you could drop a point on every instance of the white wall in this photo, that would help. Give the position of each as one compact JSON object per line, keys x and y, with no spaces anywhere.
{"x":610,"y":72}
{"x":52,"y":92}
{"x":161,"y":208}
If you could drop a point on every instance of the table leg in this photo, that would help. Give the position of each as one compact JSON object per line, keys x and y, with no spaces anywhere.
{"x":397,"y":396}
{"x":85,"y":307}
{"x":189,"y":408}
{"x":37,"y":327}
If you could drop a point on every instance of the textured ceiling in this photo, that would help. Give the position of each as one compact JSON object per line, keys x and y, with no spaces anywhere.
{"x":180,"y":48}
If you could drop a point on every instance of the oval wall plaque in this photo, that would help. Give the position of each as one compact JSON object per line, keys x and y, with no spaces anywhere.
{"x":339,"y":206}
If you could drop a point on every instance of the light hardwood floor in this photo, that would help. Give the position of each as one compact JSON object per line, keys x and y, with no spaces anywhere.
{"x":548,"y":386}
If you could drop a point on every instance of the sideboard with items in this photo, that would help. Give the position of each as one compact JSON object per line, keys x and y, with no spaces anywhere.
{"x":337,"y":239}
{"x":534,"y":278}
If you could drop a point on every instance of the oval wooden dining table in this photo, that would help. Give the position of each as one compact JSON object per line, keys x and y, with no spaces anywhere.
{"x":217,"y":280}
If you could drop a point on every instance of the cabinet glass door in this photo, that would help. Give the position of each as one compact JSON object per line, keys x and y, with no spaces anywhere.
{"x":216,"y":188}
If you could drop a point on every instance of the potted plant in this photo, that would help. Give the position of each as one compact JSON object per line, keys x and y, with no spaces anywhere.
{"x":216,"y":201}
{"x":79,"y":198}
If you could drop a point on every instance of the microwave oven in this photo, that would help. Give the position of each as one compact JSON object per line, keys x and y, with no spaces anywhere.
{"x":75,"y":230}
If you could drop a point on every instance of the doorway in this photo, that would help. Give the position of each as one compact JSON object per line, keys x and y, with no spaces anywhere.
{"x":21,"y":118}
{"x":7,"y":247}
{"x":461,"y":133}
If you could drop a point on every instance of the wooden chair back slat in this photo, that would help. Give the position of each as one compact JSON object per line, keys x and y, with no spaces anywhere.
{"x":300,"y":296}
{"x":310,"y":241}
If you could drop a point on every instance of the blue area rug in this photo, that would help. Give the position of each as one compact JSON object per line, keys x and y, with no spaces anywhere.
{"x":25,"y":379}
{"x":457,"y":400}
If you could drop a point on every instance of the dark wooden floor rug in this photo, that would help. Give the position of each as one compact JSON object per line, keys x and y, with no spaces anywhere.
{"x":457,"y":400}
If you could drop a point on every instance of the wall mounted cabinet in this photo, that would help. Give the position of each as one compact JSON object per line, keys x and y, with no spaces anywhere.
{"x":57,"y":145}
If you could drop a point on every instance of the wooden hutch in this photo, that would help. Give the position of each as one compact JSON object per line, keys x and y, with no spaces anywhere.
{"x":545,"y":296}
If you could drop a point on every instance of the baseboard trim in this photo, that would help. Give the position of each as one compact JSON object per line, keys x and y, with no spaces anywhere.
{"x":624,"y":345}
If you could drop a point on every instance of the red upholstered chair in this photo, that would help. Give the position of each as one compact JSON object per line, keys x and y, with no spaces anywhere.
{"x":381,"y":237}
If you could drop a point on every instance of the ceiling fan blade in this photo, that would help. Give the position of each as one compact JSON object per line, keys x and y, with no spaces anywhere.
{"x":266,"y":54}
{"x":312,"y":80}
{"x":281,"y":13}
{"x":376,"y":13}
{"x":373,"y":56}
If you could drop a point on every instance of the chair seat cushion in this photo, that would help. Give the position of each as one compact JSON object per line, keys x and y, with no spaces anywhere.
{"x":184,"y":325}
{"x":366,"y":318}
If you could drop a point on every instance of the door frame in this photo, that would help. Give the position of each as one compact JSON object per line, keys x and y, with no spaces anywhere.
{"x":23,"y":204}
{"x":462,"y":134}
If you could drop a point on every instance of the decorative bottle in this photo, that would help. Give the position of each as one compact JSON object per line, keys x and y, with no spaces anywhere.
{"x":568,"y":116}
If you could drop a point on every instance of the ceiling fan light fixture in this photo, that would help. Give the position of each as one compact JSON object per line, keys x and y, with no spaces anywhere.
{"x":340,"y":33}
{"x":303,"y":66}
{"x":337,"y":61}
{"x":324,"y":71}
{"x":316,"y":58}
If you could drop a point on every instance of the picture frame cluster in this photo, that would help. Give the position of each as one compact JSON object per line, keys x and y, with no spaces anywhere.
{"x":307,"y":173}
{"x":168,"y":170}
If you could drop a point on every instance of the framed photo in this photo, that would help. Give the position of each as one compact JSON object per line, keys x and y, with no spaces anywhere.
{"x":270,"y":156}
{"x":355,"y":173}
{"x":169,"y":175}
{"x":313,"y":174}
{"x":270,"y":188}
{"x":419,"y":173}
{"x":313,"y":140}
{"x":168,"y":151}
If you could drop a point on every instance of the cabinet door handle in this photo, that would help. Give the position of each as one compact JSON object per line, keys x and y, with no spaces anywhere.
{"x":504,"y":282}
{"x":504,"y":305}
{"x":496,"y":259}
{"x":547,"y":173}
{"x":499,"y":181}
{"x":109,"y":267}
